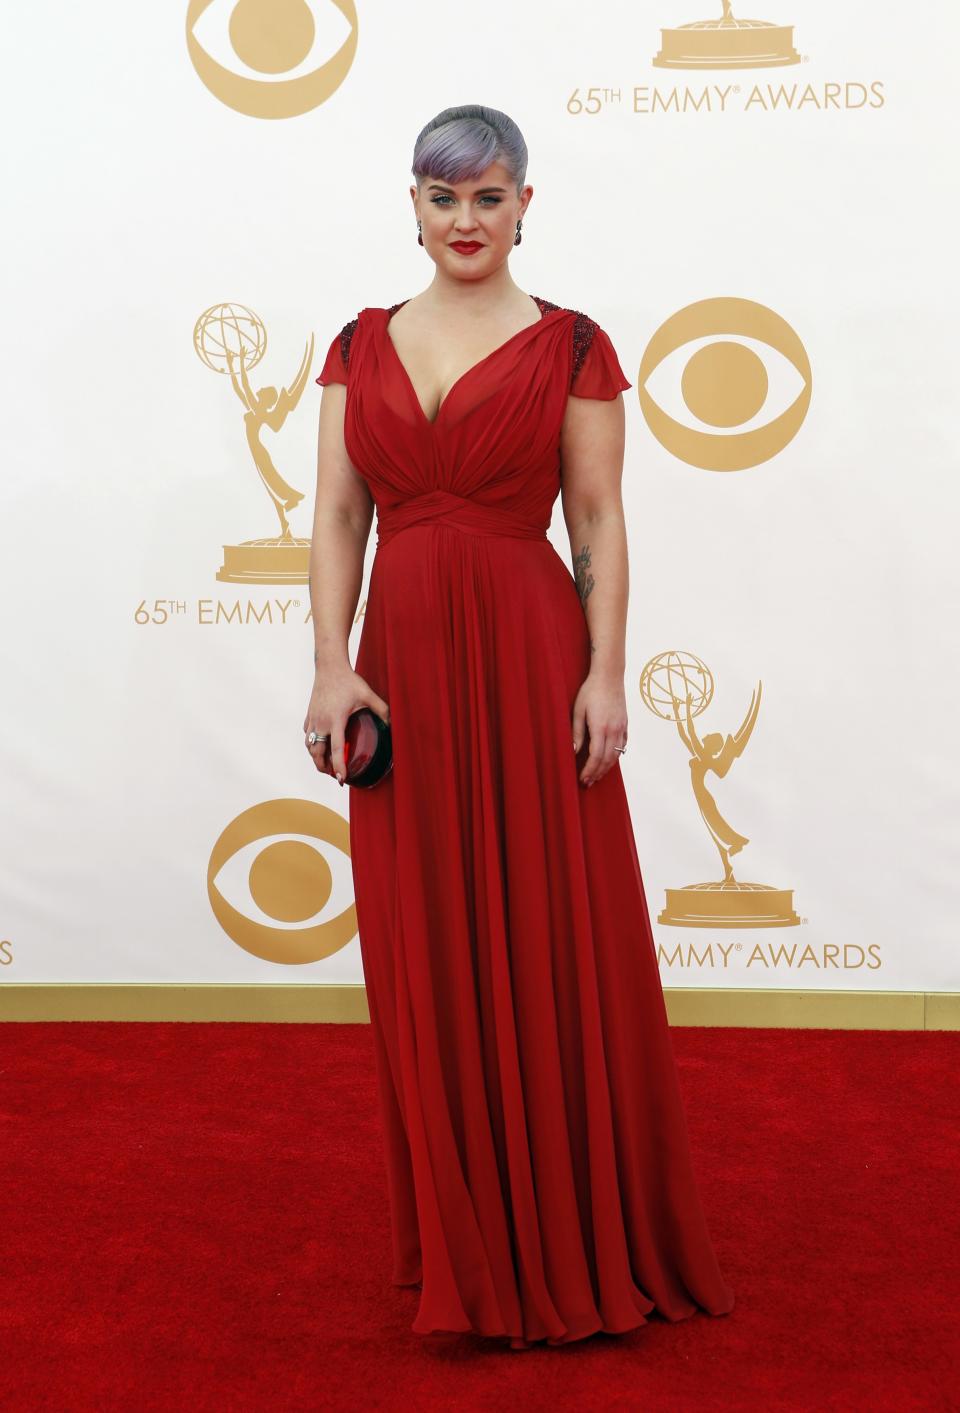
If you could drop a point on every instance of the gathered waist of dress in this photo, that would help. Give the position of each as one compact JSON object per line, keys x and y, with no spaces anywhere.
{"x":439,"y":507}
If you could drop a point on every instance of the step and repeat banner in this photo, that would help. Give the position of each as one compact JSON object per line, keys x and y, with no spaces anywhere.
{"x":759,"y":210}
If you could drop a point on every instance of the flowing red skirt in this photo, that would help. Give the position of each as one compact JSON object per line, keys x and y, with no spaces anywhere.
{"x":538,"y":1161}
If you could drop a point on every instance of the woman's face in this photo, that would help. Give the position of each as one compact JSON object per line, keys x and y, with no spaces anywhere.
{"x":483,"y":211}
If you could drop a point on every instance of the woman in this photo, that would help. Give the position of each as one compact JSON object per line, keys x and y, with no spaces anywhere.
{"x":538,"y":1164}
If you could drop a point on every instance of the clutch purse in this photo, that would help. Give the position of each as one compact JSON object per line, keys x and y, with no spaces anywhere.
{"x":367,"y":749}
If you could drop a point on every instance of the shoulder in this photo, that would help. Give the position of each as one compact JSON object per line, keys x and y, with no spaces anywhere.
{"x":345,"y":337}
{"x":583,"y":330}
{"x":346,"y":334}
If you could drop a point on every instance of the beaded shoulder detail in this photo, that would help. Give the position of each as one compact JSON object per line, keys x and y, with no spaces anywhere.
{"x":346,"y":334}
{"x":584,"y":329}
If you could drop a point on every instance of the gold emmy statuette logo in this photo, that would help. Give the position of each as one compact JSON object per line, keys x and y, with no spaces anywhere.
{"x":231,"y":339}
{"x":273,"y":38}
{"x":677,"y":686}
{"x":727,"y":43}
{"x":725,"y":384}
{"x":290,"y":880}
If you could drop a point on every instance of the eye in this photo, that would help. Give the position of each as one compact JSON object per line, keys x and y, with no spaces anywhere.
{"x":271,"y":61}
{"x":280,"y":881}
{"x":725,"y":384}
{"x":444,"y":197}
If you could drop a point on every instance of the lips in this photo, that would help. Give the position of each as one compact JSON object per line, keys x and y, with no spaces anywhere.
{"x":467,"y":245}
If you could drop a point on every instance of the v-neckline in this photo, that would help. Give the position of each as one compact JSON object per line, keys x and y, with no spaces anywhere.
{"x":543,"y":305}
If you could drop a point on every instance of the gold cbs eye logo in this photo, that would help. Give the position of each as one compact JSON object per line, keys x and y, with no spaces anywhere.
{"x":726,"y":384}
{"x":271,"y":38}
{"x":289,"y":880}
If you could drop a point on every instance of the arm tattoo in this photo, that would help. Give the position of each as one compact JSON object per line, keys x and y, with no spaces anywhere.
{"x":582,"y":576}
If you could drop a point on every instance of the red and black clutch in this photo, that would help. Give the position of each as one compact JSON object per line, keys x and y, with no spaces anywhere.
{"x":367,"y":749}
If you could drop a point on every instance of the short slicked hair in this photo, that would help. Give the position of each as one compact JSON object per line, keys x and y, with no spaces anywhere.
{"x":460,"y":143}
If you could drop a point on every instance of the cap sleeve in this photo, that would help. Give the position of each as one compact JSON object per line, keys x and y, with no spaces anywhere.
{"x":596,"y":368}
{"x":334,"y":368}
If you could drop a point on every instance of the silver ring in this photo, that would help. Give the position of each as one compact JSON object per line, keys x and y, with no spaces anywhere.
{"x":621,"y":749}
{"x":313,"y":738}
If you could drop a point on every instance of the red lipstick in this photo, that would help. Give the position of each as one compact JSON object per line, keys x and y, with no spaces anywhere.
{"x":466,"y":247}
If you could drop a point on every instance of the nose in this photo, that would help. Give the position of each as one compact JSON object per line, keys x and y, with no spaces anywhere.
{"x":466,"y":221}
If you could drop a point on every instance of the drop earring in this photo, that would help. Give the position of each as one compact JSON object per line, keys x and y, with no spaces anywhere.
{"x":517,"y":237}
{"x":419,"y":236}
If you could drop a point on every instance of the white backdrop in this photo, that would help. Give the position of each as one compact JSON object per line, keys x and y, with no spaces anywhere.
{"x":140,"y":194}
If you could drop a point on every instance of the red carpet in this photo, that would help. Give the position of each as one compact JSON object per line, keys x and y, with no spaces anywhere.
{"x":194,"y":1218}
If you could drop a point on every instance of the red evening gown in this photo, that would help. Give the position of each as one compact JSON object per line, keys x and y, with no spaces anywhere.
{"x":539,"y":1171}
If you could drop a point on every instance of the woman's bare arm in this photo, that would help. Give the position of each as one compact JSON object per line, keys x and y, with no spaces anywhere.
{"x":591,"y":455}
{"x":342,"y":517}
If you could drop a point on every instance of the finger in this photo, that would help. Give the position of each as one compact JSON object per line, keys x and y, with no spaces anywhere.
{"x":336,"y":751}
{"x":610,"y":757}
{"x":317,"y":749}
{"x":594,"y":759}
{"x":381,"y":708}
{"x":579,"y":725}
{"x":319,"y":744}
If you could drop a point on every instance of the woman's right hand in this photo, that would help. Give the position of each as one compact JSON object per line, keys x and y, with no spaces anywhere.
{"x":336,"y":693}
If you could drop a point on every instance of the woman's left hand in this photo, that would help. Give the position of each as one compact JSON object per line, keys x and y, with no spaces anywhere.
{"x":599,"y":711}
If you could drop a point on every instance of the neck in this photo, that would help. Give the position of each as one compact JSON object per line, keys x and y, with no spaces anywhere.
{"x":476,"y":298}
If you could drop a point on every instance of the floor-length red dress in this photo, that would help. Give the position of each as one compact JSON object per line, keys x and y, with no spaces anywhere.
{"x":538,"y":1161}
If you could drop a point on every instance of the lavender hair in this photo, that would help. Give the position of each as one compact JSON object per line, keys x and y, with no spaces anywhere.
{"x":460,"y":143}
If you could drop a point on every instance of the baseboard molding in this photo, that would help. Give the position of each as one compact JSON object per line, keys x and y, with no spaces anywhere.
{"x":215,"y":1001}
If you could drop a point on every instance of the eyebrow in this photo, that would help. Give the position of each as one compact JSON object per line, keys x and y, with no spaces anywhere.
{"x":480,"y":189}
